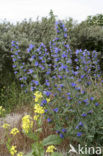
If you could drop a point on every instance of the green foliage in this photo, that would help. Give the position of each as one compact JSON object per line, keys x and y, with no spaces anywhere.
{"x":12,"y":95}
{"x":95,"y":20}
{"x":87,"y":37}
{"x":52,"y":139}
{"x":56,"y":154}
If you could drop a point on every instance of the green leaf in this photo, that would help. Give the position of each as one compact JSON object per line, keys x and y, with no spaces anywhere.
{"x":52,"y":139}
{"x":56,"y":154}
{"x":38,"y":149}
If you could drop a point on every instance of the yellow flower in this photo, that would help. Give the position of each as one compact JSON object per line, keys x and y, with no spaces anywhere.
{"x":14,"y":131}
{"x":20,"y":154}
{"x":48,"y":100}
{"x":51,"y":148}
{"x":36,"y":117}
{"x":36,"y":99}
{"x":39,"y":109}
{"x":13,"y":150}
{"x":5,"y":125}
{"x":38,"y":95}
{"x":27,"y":124}
{"x":2,"y":110}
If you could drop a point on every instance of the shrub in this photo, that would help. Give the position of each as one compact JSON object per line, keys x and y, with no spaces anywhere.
{"x":71,"y":109}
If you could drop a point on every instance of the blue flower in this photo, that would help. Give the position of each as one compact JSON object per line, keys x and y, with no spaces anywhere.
{"x":22,"y":85}
{"x":43,"y":61}
{"x":60,"y":77}
{"x":73,"y":84}
{"x":69,"y":98}
{"x":58,"y":131}
{"x":21,"y":67}
{"x":47,"y":84}
{"x":56,"y":110}
{"x":90,"y":112}
{"x":82,"y":92}
{"x":30,"y":71}
{"x":61,"y":135}
{"x":91,"y":98}
{"x":47,"y":93}
{"x":36,"y":63}
{"x":79,"y":134}
{"x":49,"y":120}
{"x":77,"y":52}
{"x":48,"y":72}
{"x":64,"y":130}
{"x":79,"y":125}
{"x":32,"y":88}
{"x":96,"y":104}
{"x":61,"y":85}
{"x":65,"y":35}
{"x":44,"y":101}
{"x":25,"y":78}
{"x":85,"y":101}
{"x":36,"y":83}
{"x":84,"y":114}
{"x":15,"y":72}
{"x":14,"y":66}
{"x":14,"y":59}
{"x":31,"y":46}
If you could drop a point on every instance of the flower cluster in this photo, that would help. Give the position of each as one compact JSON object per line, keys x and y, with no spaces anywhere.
{"x":13,"y":150}
{"x":50,"y":149}
{"x":2,"y":110}
{"x":27,"y":123}
{"x":14,"y":131}
{"x":38,"y":109}
{"x":6,"y":126}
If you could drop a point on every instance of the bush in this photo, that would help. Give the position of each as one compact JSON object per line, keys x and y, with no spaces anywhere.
{"x":71,"y":108}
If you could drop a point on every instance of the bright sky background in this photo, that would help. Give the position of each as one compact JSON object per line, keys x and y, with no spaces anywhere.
{"x":17,"y":10}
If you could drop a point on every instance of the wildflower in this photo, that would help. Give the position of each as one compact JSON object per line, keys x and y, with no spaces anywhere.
{"x":79,"y":125}
{"x":91,"y":98}
{"x":61,"y":135}
{"x":84,"y":114}
{"x":48,"y":100}
{"x":39,"y":109}
{"x":20,"y":154}
{"x":79,"y":134}
{"x":36,"y":117}
{"x":36,"y":83}
{"x":30,"y":71}
{"x":47,"y":93}
{"x":36,"y":63}
{"x":91,"y":111}
{"x":64,"y":130}
{"x":5,"y":126}
{"x":96,"y":104}
{"x":14,"y":66}
{"x":47,"y":83}
{"x":13,"y":150}
{"x":49,"y":120}
{"x":50,"y":149}
{"x":2,"y":110}
{"x":38,"y":95}
{"x":43,"y":102}
{"x":27,"y":124}
{"x":55,"y":110}
{"x":14,"y":131}
{"x":73,"y":84}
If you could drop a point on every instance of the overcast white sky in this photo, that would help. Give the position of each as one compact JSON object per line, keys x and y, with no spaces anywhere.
{"x":17,"y":10}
